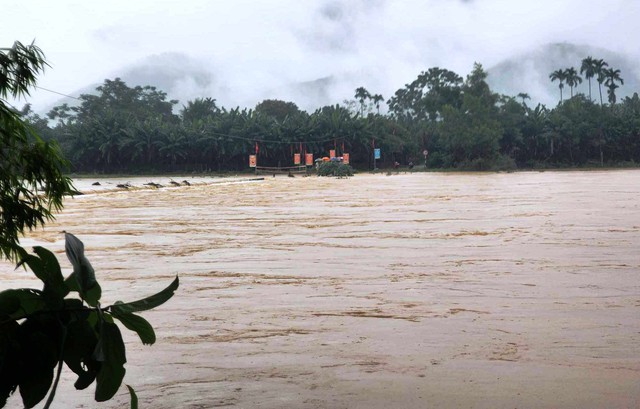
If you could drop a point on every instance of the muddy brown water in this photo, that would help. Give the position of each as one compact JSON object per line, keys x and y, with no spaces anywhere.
{"x":401,"y":291}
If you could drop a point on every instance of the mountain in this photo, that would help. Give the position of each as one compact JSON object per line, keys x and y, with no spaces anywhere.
{"x":184,"y":78}
{"x":529,"y":73}
{"x":180,"y":76}
{"x":175,"y":73}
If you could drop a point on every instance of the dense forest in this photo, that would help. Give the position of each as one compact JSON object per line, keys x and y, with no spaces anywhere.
{"x":461,"y":122}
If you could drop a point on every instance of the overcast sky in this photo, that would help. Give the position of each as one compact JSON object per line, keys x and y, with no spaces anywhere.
{"x":252,"y":46}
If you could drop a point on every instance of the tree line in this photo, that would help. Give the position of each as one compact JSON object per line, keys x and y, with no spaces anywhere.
{"x":460,"y":121}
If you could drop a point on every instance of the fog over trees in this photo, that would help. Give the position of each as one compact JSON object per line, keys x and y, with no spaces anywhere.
{"x":460,"y":120}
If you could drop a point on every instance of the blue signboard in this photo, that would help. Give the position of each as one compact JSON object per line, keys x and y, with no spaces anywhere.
{"x":376,"y":153}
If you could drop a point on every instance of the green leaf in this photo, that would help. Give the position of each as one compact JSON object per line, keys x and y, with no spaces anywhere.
{"x":72,"y":283}
{"x":134,"y":397}
{"x":75,"y":310}
{"x":10,"y":365}
{"x":29,"y":302}
{"x":139,"y":325}
{"x":93,"y":295}
{"x":78,"y":352}
{"x":9,"y":302}
{"x":84,"y":272}
{"x":35,"y":264}
{"x":111,"y":352}
{"x":85,"y":379}
{"x":55,"y":280}
{"x":146,"y":303}
{"x":39,"y":352}
{"x":35,"y":387}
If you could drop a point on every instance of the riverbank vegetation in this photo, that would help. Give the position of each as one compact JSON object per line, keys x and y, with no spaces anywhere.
{"x":43,"y":329}
{"x":460,"y":121}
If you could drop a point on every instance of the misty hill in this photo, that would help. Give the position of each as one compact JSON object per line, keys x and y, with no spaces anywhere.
{"x":178,"y":75}
{"x":174,"y":73}
{"x":184,"y":79}
{"x":529,"y":73}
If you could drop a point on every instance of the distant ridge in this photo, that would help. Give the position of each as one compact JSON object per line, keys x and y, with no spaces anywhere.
{"x":529,"y":72}
{"x":184,"y":78}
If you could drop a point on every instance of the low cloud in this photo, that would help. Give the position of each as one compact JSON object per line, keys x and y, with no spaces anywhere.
{"x":254,"y":50}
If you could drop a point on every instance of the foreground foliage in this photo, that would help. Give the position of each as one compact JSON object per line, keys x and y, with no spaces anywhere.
{"x":32,"y":183}
{"x":44,"y":328}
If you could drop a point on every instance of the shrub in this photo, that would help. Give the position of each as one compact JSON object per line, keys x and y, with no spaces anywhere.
{"x":334,"y":169}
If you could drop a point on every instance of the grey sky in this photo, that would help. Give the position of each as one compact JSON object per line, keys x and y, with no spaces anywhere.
{"x":251,"y":47}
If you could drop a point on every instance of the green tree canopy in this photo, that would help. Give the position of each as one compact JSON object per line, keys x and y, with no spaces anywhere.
{"x":199,"y":109}
{"x":560,"y":76}
{"x":32,"y":183}
{"x":427,"y":95}
{"x":589,"y":68}
{"x":277,"y":109}
{"x":599,"y":69}
{"x":611,"y":77}
{"x":572,"y":78}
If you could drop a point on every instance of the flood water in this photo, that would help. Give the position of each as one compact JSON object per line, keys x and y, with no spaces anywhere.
{"x":377,"y":291}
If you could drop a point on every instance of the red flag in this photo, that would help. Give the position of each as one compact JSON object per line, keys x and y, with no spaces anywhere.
{"x":257,"y":148}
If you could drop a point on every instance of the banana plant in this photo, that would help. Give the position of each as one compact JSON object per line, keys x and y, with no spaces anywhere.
{"x":41,"y":330}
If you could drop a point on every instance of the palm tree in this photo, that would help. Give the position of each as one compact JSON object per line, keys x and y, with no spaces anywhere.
{"x":524,"y":97}
{"x":199,"y":108}
{"x":377,"y":98}
{"x":361,"y":95}
{"x":572,"y":78}
{"x":611,"y":77}
{"x":560,"y":76}
{"x":589,"y":69}
{"x":599,"y":66}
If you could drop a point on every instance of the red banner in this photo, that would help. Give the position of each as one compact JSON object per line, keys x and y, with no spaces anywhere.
{"x":308,"y":159}
{"x":296,"y":158}
{"x":252,"y":161}
{"x":332,"y":153}
{"x":345,"y":158}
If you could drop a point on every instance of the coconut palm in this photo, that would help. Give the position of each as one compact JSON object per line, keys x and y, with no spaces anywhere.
{"x":599,"y":69}
{"x":524,"y":97}
{"x":361,"y":95}
{"x":589,"y":69}
{"x":611,"y":77}
{"x":572,"y":78}
{"x":558,"y":75}
{"x":377,"y":98}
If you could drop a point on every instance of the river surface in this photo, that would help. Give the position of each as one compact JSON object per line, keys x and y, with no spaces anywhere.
{"x":415,"y":290}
